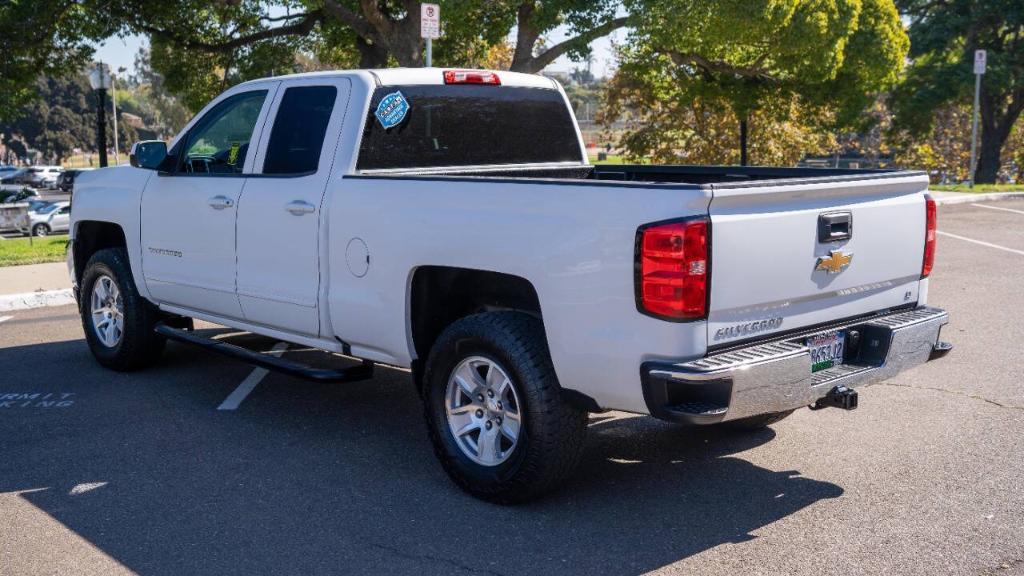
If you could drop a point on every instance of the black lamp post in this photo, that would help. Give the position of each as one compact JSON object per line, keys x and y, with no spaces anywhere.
{"x":99,"y":79}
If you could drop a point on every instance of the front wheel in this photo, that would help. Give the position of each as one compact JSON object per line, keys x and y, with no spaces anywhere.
{"x":118,"y":322}
{"x":495,"y":411}
{"x":40,"y":230}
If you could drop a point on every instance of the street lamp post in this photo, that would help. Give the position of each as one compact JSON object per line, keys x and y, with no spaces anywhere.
{"x":99,"y":79}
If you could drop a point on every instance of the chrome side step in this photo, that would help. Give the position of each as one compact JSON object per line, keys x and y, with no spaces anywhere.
{"x":363,"y":371}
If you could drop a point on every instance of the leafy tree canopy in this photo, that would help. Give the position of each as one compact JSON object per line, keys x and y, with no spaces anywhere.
{"x":944,"y":37}
{"x":42,"y":37}
{"x":61,"y":119}
{"x":203,"y":46}
{"x":834,"y":54}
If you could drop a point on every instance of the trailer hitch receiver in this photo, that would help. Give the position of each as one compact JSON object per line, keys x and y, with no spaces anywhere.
{"x":838,"y":397}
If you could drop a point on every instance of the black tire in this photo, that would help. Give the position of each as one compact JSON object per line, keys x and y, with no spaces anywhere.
{"x":759,"y":422}
{"x":551,"y":437}
{"x":139,"y":345}
{"x":40,"y":230}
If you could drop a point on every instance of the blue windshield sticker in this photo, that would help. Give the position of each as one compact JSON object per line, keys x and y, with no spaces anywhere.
{"x":392,"y":110}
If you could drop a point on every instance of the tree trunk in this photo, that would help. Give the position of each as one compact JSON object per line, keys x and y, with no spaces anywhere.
{"x":996,"y":123}
{"x":526,"y":38}
{"x":371,"y":55}
{"x":743,"y":142}
{"x":988,"y":159}
{"x":407,"y":47}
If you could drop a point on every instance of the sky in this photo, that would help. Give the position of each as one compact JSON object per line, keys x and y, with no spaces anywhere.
{"x":118,"y":52}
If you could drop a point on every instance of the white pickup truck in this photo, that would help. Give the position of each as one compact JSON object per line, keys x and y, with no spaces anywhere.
{"x":447,"y":222}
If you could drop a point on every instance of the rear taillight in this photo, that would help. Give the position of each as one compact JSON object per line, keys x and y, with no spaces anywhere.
{"x":471,"y":77}
{"x":672,"y":269}
{"x":929,"y":236}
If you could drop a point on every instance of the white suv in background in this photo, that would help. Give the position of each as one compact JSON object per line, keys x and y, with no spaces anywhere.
{"x":44,"y":176}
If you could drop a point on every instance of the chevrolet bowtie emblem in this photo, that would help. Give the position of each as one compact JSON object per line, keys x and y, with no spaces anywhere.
{"x":834,"y":262}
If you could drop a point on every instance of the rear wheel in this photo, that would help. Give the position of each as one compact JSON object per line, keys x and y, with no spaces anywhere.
{"x":117,"y":321}
{"x":40,"y":230}
{"x":495,"y":411}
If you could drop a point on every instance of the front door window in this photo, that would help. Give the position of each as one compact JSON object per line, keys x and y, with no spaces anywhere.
{"x":219,"y":142}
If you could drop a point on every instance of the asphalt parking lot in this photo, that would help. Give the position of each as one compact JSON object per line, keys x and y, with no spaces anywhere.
{"x":105,"y":473}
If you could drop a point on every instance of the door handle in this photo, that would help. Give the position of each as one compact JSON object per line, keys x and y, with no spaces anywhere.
{"x":299,"y":207}
{"x":221,"y":202}
{"x":835,"y":226}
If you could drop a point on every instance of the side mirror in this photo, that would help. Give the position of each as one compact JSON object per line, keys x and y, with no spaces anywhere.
{"x":148,"y":154}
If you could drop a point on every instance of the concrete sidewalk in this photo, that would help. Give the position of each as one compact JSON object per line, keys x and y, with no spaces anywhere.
{"x":34,"y":278}
{"x":35,"y":285}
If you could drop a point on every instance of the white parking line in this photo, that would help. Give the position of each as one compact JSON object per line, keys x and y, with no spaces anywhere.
{"x":235,"y":399}
{"x":999,"y":208}
{"x":996,"y":246}
{"x":5,"y":318}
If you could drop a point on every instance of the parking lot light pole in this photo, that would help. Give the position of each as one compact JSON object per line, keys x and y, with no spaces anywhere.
{"x":99,"y":79}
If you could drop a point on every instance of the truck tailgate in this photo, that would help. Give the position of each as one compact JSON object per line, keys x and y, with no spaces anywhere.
{"x":773,"y":270}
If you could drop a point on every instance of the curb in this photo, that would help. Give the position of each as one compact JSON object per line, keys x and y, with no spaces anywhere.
{"x":27,"y":300}
{"x":968,"y":198}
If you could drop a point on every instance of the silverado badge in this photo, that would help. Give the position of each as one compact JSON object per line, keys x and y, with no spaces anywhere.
{"x":834,"y":262}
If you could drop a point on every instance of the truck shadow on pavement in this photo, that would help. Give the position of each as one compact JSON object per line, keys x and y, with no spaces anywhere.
{"x":341,"y":479}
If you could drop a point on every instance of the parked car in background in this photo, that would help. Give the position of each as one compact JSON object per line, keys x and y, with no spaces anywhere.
{"x":44,"y":176}
{"x":16,"y":176}
{"x":16,"y":193}
{"x":51,"y":218}
{"x":66,"y":180}
{"x":36,"y":205}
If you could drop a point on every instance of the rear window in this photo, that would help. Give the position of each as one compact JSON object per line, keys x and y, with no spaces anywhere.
{"x":470,"y":125}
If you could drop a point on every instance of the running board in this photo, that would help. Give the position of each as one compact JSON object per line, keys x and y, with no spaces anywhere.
{"x":363,"y":371}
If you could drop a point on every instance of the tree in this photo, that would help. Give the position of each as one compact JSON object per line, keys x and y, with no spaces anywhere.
{"x":669,"y":126}
{"x":833,"y":55}
{"x":1015,"y":153}
{"x":944,"y":37}
{"x":203,"y":46}
{"x":62,"y":119}
{"x":943,"y":151}
{"x":158,"y":108}
{"x":42,"y":37}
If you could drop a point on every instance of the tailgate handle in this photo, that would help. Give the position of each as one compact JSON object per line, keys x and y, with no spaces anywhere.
{"x":835,"y":226}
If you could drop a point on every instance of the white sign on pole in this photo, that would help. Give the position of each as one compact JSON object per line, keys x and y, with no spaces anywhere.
{"x":430,"y":21}
{"x":979,"y":61}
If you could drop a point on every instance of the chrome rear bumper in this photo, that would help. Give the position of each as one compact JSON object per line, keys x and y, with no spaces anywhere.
{"x":775,"y":375}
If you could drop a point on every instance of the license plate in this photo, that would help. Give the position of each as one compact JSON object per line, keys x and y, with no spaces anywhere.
{"x":826,"y":350}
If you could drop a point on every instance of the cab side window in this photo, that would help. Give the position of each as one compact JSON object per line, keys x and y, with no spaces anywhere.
{"x":297,"y":138}
{"x":218,"y":143}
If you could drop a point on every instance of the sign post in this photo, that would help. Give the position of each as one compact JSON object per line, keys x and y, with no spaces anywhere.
{"x":430,"y":27}
{"x":979,"y":68}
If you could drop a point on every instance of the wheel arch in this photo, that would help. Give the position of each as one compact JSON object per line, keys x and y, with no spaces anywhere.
{"x":440,"y":295}
{"x":91,"y":236}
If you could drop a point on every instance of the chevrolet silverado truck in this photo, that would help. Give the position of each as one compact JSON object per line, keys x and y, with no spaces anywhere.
{"x":448,"y":223}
